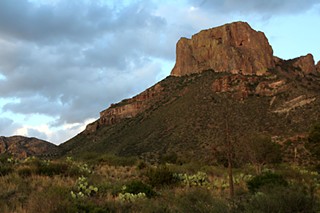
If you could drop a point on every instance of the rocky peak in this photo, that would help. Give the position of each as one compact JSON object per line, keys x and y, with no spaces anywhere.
{"x":305,"y":63}
{"x":235,"y":48}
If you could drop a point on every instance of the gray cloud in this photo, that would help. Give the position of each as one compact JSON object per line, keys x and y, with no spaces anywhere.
{"x":8,"y":126}
{"x":257,"y":7}
{"x":73,"y":59}
{"x":36,"y":133}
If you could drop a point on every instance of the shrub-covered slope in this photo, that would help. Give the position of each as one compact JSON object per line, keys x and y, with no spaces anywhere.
{"x":196,"y":112}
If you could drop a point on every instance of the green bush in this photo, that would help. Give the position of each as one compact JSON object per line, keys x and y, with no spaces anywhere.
{"x":169,"y":158}
{"x":136,"y":187}
{"x":25,"y":171}
{"x":5,"y":170}
{"x":161,"y":176}
{"x":281,"y":199}
{"x":68,"y":168}
{"x":267,"y":178}
{"x":142,"y":165}
{"x":314,"y":140}
{"x":114,"y":160}
{"x":50,"y":169}
{"x":200,"y":200}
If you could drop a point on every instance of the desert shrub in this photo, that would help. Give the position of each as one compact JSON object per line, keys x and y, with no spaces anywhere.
{"x":281,"y":199}
{"x":114,"y":160}
{"x":200,"y":200}
{"x":52,"y":199}
{"x":141,"y":165}
{"x":25,"y":171}
{"x":136,"y":187}
{"x":5,"y":170}
{"x":50,"y":169}
{"x":169,"y":158}
{"x":268,"y":178}
{"x":64,"y":168}
{"x":161,"y":176}
{"x":314,"y":140}
{"x":89,"y":206}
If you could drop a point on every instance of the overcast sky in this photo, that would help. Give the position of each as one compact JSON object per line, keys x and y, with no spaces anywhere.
{"x":64,"y":61}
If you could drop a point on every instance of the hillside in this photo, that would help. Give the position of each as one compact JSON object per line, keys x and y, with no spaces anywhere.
{"x":22,"y":147}
{"x":223,"y":76}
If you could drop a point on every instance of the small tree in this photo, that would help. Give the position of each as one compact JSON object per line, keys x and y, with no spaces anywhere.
{"x":259,"y":150}
{"x":314,"y":140}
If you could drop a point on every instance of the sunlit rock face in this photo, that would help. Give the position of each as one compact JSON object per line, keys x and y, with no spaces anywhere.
{"x":235,"y":48}
{"x":305,"y":64}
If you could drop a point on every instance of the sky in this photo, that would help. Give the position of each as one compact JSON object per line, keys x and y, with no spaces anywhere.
{"x":62,"y":62}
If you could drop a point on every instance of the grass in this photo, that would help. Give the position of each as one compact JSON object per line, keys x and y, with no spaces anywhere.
{"x":47,"y":192}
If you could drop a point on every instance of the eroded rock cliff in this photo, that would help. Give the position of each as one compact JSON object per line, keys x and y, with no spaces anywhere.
{"x":235,"y":48}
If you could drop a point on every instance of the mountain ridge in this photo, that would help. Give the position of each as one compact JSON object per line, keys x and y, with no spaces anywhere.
{"x":22,"y":147}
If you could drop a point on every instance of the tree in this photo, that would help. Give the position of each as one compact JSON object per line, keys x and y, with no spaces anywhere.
{"x":314,"y":140}
{"x":260,"y":150}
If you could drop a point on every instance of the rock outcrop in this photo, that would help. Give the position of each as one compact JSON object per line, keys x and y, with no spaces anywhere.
{"x":305,"y":64}
{"x":243,"y":86}
{"x":130,"y":107}
{"x":235,"y":48}
{"x":127,"y":108}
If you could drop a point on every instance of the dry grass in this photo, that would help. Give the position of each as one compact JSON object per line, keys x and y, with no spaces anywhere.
{"x":43,"y":193}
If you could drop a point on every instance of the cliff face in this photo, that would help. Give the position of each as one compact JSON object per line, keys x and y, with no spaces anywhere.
{"x":235,"y":48}
{"x":130,"y":107}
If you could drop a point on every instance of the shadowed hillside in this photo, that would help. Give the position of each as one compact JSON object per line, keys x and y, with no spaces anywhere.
{"x":22,"y":147}
{"x":190,"y":118}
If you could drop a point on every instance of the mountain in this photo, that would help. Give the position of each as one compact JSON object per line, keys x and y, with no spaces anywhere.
{"x":22,"y":147}
{"x":226,"y":75}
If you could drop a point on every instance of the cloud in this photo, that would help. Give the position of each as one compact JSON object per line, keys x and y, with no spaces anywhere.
{"x":8,"y":126}
{"x":36,"y":133}
{"x":72,"y":65}
{"x":256,"y":7}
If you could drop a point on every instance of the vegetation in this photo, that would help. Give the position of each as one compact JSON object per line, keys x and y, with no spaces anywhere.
{"x":259,"y":150}
{"x":193,"y":151}
{"x":189,"y":119}
{"x":314,"y":140}
{"x":35,"y":185}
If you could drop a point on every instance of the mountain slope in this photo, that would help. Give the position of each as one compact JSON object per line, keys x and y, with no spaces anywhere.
{"x":190,"y":120}
{"x":223,"y":84}
{"x":23,"y":147}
